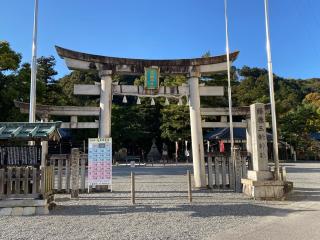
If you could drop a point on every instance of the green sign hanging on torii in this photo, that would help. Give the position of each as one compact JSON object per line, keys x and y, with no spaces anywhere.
{"x":151,"y":78}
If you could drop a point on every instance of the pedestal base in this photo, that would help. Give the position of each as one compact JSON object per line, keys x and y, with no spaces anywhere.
{"x":264,"y":190}
{"x":100,"y":189}
{"x":260,"y":175}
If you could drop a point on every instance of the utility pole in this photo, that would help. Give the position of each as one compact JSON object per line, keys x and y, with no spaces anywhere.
{"x":33,"y":87}
{"x":271,"y":88}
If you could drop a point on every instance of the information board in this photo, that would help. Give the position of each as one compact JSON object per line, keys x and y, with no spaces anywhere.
{"x":100,"y":161}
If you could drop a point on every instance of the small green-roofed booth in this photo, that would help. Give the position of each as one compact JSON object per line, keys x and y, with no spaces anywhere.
{"x":24,"y":169}
{"x":21,"y":131}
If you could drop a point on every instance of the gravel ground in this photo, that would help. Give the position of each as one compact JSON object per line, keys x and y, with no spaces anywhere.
{"x":162,"y":210}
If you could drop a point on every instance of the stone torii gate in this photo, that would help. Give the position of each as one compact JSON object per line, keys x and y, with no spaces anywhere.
{"x":192,"y":68}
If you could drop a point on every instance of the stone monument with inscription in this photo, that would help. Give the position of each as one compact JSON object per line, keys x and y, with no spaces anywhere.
{"x":260,"y":183}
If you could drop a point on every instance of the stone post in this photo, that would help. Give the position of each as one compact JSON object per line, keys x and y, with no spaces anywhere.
{"x":75,"y":157}
{"x":259,"y":143}
{"x":237,"y":169}
{"x":260,"y":183}
{"x":249,"y":142}
{"x":196,"y":132}
{"x":44,"y":146}
{"x":105,"y":103}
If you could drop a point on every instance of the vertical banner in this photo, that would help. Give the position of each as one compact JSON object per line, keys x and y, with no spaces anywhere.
{"x":100,"y":161}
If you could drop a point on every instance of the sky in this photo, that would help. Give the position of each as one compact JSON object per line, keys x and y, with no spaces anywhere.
{"x":169,"y":29}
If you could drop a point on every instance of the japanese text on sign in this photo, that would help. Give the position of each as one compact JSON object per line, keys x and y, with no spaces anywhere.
{"x":100,"y":161}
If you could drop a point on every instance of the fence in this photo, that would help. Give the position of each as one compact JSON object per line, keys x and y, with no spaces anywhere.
{"x":25,"y":182}
{"x":222,"y":173}
{"x":62,"y":172}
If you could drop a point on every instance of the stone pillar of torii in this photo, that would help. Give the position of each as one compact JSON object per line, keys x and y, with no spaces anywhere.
{"x":192,"y":68}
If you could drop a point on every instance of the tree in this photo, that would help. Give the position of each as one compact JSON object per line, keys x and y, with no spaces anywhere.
{"x":313,"y":99}
{"x":9,"y":59}
{"x":175,"y":123}
{"x":10,"y":86}
{"x":62,"y":92}
{"x":45,"y":69}
{"x":297,"y":125}
{"x":253,"y":87}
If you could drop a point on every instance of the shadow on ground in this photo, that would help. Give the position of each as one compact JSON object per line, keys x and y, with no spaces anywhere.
{"x":304,"y":194}
{"x":202,"y":211}
{"x":121,"y":171}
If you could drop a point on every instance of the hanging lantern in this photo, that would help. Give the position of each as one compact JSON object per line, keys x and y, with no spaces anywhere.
{"x":124,"y":100}
{"x":138,"y":101}
{"x":166,"y":103}
{"x":152,"y":102}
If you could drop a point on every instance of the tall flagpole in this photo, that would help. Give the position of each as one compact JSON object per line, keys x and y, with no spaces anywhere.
{"x":271,"y":87}
{"x":229,"y":81}
{"x":32,"y":110}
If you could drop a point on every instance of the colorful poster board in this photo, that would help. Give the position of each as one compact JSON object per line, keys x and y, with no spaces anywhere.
{"x":100,"y":161}
{"x":151,"y":78}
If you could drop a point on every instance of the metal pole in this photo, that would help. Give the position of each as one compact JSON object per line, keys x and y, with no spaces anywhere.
{"x":229,"y":84}
{"x":271,"y":87}
{"x":32,"y":110}
{"x":133,"y":193}
{"x":189,"y":186}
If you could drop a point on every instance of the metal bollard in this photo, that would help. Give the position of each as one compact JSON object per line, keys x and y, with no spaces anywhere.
{"x":133,"y":194}
{"x":189,"y":186}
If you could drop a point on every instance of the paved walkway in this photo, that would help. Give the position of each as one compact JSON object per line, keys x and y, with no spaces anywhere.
{"x":303,"y":223}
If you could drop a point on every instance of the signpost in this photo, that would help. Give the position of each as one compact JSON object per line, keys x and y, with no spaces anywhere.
{"x":100,"y":162}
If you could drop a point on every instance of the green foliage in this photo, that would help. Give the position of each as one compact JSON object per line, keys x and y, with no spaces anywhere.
{"x":253,"y":87}
{"x":139,"y":81}
{"x":134,"y":126}
{"x":175,"y":123}
{"x":313,"y":99}
{"x":174,"y":80}
{"x":206,"y":54}
{"x":45,"y":69}
{"x":62,"y":91}
{"x":9,"y":59}
{"x":297,"y":125}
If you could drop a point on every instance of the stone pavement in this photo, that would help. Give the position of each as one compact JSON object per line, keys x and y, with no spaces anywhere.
{"x":303,"y":223}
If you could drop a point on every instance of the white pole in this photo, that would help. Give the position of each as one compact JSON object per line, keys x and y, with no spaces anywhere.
{"x":229,"y":82}
{"x":32,"y":110}
{"x":271,"y":87}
